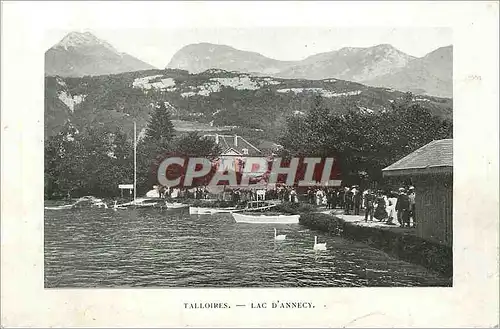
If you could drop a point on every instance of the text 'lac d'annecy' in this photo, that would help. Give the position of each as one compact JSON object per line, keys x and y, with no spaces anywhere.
{"x":254,"y":305}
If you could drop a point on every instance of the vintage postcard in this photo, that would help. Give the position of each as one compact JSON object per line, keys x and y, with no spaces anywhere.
{"x":250,"y":164}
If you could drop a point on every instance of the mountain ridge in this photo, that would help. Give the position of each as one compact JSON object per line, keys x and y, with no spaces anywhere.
{"x":358,"y":64}
{"x":80,"y":54}
{"x":234,"y":59}
{"x":432,"y":73}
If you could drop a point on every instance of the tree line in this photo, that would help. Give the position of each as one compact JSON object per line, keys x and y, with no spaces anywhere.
{"x":95,"y":160}
{"x":363,"y":143}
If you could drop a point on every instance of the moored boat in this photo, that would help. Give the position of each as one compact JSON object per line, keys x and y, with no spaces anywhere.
{"x":265,"y":219}
{"x":83,"y":202}
{"x":209,"y":211}
{"x":176,"y":205}
{"x":260,"y":205}
{"x":67,"y":206}
{"x":143,"y":203}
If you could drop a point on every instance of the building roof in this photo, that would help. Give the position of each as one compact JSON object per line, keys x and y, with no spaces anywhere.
{"x":235,"y":145}
{"x":435,"y":157}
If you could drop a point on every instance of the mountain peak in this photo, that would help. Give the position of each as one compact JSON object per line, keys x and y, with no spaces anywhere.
{"x":384,"y":46}
{"x":82,"y":53}
{"x":199,"y":57}
{"x":83,"y":39}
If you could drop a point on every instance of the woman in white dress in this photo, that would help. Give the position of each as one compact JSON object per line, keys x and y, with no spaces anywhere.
{"x":319,"y":197}
{"x":391,"y":208}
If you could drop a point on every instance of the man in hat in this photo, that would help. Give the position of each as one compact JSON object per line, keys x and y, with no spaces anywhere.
{"x":403,"y":208}
{"x":411,"y":197}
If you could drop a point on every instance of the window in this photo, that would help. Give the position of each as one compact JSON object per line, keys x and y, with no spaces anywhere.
{"x":245,"y":151}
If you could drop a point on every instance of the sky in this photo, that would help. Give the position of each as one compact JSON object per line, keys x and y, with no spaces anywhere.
{"x":156,"y":46}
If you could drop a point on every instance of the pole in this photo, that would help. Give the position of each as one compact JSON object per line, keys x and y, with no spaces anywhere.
{"x":135,"y":163}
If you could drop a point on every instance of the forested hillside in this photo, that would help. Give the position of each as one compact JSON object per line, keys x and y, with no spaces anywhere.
{"x":228,"y":100}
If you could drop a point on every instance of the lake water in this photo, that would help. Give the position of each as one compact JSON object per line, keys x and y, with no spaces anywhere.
{"x":170,"y":248}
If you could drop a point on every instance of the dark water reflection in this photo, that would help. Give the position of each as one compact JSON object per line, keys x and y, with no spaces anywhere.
{"x":170,"y":248}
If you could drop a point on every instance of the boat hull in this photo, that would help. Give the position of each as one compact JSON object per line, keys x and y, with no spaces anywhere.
{"x":176,"y":205}
{"x":69,"y":206}
{"x":209,"y":211}
{"x":143,"y":203}
{"x":264,"y":219}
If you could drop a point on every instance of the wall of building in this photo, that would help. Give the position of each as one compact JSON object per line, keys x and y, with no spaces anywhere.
{"x":434,"y":207}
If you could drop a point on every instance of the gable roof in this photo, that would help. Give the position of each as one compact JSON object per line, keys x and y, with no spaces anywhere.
{"x":234,"y":143}
{"x":435,"y":157}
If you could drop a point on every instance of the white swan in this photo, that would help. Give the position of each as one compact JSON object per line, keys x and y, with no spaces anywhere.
{"x":280,"y":237}
{"x":318,"y":246}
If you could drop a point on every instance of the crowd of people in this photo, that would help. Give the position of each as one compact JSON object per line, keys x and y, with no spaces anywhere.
{"x":390,"y":207}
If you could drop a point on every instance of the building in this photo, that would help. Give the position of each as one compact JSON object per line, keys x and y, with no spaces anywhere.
{"x":430,"y":169}
{"x":234,"y":145}
{"x":234,"y":150}
{"x":234,"y":153}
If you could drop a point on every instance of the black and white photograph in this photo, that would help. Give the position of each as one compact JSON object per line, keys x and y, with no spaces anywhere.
{"x":249,"y":164}
{"x":377,"y":101}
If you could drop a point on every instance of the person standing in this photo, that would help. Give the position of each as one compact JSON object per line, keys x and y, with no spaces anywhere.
{"x":380,"y":211}
{"x":403,"y":208}
{"x":369,"y":205}
{"x":334,"y":198}
{"x":310,"y":196}
{"x":331,"y":198}
{"x":411,"y":196}
{"x":293,"y":196}
{"x":325,"y":198}
{"x":340,"y":198}
{"x":356,"y":198}
{"x":347,"y":201}
{"x":391,"y":207}
{"x":319,"y":197}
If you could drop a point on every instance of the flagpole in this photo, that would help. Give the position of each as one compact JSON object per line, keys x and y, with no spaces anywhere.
{"x":135,"y":162}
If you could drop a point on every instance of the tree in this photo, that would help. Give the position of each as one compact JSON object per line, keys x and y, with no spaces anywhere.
{"x":192,"y":144}
{"x":63,"y":168}
{"x":160,"y":130}
{"x":152,"y":148}
{"x":92,"y":161}
{"x":363,"y":143}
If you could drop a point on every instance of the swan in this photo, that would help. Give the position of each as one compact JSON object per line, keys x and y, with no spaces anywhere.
{"x":318,"y":246}
{"x":280,"y":237}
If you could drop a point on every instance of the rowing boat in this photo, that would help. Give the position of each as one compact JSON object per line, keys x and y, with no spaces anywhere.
{"x":176,"y":205}
{"x":209,"y":211}
{"x":265,"y":219}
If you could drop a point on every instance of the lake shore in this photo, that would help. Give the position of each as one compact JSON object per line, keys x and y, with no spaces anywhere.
{"x":398,"y":242}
